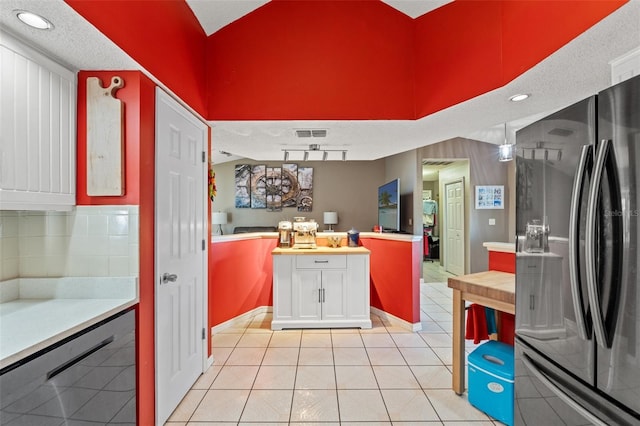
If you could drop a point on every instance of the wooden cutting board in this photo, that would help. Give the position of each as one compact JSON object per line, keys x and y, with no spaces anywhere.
{"x":105,"y":138}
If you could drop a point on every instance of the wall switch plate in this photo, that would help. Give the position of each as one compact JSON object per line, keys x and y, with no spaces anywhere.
{"x":492,"y":221}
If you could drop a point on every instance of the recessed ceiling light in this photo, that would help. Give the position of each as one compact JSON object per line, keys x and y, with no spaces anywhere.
{"x":33,"y":20}
{"x":520,"y":97}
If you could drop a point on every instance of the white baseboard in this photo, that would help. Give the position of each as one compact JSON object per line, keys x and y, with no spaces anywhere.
{"x":266,"y":309}
{"x":240,"y":318}
{"x":399,"y":322}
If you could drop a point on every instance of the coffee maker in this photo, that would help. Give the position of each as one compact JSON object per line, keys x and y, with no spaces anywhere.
{"x":304,"y":233}
{"x":284,"y":233}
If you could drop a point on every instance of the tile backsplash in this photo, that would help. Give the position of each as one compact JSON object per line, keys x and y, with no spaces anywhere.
{"x":96,"y":241}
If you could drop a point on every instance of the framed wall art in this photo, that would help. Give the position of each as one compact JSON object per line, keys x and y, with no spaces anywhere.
{"x":489,"y":196}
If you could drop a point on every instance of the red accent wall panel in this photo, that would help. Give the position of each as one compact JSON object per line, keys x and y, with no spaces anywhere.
{"x":163,"y":36}
{"x":470,"y":47}
{"x":138,"y":95}
{"x":535,"y":29}
{"x":240,"y":277}
{"x":501,"y":261}
{"x":505,"y":262}
{"x":458,"y":54}
{"x":146,"y":280}
{"x":313,"y":60}
{"x":395,"y":277}
{"x":336,"y":59}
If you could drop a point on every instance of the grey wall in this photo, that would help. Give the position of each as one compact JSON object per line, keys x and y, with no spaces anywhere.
{"x":404,"y":166}
{"x":484,"y":169}
{"x":347,"y":187}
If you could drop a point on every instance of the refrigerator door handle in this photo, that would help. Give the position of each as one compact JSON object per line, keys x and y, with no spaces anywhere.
{"x":574,"y":216}
{"x":590,"y":243}
{"x":560,"y":394}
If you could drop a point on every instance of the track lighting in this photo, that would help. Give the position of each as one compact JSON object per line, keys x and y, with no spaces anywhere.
{"x":315,"y":153}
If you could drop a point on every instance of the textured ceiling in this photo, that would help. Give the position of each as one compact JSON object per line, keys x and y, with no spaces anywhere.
{"x":215,"y":14}
{"x":576,"y":71}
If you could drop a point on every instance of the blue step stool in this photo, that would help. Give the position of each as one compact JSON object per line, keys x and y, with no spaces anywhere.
{"x":490,"y":373}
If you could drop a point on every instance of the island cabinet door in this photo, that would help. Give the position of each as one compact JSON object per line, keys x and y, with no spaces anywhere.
{"x":308,"y":286}
{"x":334,"y":294}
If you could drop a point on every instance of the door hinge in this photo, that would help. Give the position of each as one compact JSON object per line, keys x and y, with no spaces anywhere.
{"x":204,"y":245}
{"x":204,"y":157}
{"x":204,"y":336}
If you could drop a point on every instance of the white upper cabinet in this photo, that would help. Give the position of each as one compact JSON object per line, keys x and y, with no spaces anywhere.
{"x":37,"y":130}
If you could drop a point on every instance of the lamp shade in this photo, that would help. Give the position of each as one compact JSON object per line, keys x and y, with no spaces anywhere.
{"x":218,"y":218}
{"x":330,"y":218}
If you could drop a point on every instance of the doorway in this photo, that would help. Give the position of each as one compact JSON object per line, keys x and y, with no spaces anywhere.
{"x":181,"y":256}
{"x":435,"y":173}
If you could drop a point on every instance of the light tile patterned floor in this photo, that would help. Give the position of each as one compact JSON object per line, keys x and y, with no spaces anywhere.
{"x":382,"y":376}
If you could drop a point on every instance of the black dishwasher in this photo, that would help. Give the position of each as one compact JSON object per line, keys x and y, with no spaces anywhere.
{"x":86,"y":379}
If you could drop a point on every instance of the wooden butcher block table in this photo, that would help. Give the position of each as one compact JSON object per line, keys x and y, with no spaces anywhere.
{"x":492,"y":289}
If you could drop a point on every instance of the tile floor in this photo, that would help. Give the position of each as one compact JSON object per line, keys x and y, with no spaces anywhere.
{"x":382,"y":376}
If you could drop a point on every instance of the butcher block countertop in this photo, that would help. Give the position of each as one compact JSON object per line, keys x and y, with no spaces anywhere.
{"x":500,"y":287}
{"x":321,"y":250}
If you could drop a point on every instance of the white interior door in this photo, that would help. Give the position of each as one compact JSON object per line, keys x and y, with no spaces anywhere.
{"x":454,"y":240}
{"x":180,"y":252}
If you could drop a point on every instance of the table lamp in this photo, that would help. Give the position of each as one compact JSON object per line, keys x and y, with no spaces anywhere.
{"x":330,"y":218}
{"x":219,"y":218}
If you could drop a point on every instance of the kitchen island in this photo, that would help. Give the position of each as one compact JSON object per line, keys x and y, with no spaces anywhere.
{"x":238,"y":292}
{"x":321,"y":287}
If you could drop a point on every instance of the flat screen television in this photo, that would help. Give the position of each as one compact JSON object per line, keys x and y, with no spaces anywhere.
{"x":389,"y":206}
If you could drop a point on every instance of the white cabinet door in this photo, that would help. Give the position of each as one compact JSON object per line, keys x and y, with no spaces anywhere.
{"x":308,"y":283}
{"x":37,"y":118}
{"x":334,"y":294}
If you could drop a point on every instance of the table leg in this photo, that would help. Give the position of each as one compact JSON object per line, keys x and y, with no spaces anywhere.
{"x":458,"y":342}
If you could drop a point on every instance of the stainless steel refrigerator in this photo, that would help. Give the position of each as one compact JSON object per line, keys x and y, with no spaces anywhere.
{"x":577,"y":286}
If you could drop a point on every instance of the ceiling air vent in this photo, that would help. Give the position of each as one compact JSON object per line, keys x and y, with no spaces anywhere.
{"x":311,"y":133}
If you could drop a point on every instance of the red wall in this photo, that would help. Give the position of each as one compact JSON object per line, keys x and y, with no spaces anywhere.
{"x":328,"y":59}
{"x":162,"y":36}
{"x":240,"y":277}
{"x":505,"y":262}
{"x":138,"y":95}
{"x":458,"y":54}
{"x":470,"y":47}
{"x":501,"y":261}
{"x":336,"y":59}
{"x":395,"y":277}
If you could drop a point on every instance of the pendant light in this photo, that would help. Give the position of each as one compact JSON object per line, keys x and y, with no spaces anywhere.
{"x":505,"y":152}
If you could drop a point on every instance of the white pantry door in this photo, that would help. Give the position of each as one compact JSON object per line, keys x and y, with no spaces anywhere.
{"x":454,"y":243}
{"x":181,"y":177}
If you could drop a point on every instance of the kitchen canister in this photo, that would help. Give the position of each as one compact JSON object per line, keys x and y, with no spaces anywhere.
{"x":353,"y":237}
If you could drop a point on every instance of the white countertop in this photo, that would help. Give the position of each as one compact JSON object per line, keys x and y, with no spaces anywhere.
{"x":499,"y":246}
{"x":38,"y":312}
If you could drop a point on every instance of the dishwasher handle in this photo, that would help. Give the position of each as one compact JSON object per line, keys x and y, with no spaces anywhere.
{"x":73,"y":361}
